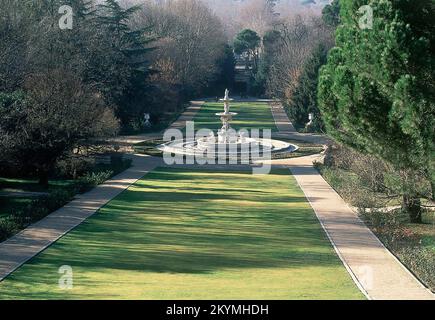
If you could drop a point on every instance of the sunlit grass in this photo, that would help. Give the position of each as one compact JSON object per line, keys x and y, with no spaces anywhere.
{"x":250,"y":116}
{"x":194,"y":235}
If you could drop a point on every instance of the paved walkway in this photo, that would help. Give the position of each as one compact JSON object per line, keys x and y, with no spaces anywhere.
{"x":180,"y":123}
{"x":282,"y":121}
{"x":287,"y":130}
{"x":374,"y":269}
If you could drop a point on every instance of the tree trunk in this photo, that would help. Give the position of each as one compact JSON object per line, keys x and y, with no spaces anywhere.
{"x":43,"y":179}
{"x":432,"y":187}
{"x":412,"y":206}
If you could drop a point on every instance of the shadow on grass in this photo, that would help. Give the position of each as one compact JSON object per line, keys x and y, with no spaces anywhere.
{"x":193,"y":226}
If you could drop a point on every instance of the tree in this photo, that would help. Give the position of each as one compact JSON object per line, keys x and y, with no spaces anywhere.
{"x":54,"y":114}
{"x":304,"y":99}
{"x":271,"y":43}
{"x":126,"y":53}
{"x":190,"y":38}
{"x":247,"y":41}
{"x":299,"y":36}
{"x":376,"y":92}
{"x":225,"y":77}
{"x":331,"y":13}
{"x":257,"y":15}
{"x":14,"y":30}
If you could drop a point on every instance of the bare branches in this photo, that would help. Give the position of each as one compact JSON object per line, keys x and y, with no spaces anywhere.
{"x":191,"y":38}
{"x":298,"y":37}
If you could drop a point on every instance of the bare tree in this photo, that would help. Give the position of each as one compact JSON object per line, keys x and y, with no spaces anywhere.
{"x":298,"y":37}
{"x":191,"y":39}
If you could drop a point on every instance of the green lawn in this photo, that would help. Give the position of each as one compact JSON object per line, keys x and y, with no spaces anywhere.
{"x":180,"y":234}
{"x":250,"y":115}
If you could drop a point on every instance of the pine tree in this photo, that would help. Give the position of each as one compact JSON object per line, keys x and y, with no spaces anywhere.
{"x":376,"y":92}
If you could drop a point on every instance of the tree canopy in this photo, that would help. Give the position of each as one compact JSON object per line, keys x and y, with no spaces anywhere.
{"x":246,"y":41}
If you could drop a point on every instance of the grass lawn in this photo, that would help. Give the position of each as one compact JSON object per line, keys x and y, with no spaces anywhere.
{"x":180,"y":234}
{"x":251,"y":115}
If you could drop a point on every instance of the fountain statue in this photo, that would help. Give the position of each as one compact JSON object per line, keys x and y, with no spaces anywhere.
{"x":227,"y":101}
{"x":225,"y":134}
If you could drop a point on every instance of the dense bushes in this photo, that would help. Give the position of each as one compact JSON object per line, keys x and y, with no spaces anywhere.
{"x":36,"y":210}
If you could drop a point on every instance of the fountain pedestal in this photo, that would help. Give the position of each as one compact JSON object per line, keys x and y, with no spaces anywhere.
{"x":226,"y":134}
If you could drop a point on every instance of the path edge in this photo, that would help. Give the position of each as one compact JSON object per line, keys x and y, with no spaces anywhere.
{"x":348,"y":269}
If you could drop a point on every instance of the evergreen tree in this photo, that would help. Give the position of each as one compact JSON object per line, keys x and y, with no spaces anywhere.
{"x":270,"y":46}
{"x":304,"y":99}
{"x":331,"y":14}
{"x":224,"y":78}
{"x":128,"y":89}
{"x":376,"y":92}
{"x":248,"y":42}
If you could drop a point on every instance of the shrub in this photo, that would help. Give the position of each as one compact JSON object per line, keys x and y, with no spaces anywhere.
{"x":74,"y":166}
{"x":93,"y":179}
{"x":8,"y":227}
{"x":51,"y":202}
{"x":421,"y":261}
{"x":44,"y":205}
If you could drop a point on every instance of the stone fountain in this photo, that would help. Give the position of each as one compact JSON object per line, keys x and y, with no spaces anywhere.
{"x":224,"y":134}
{"x":228,"y":143}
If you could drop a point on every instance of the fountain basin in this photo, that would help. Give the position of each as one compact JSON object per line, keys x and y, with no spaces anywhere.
{"x":227,"y":114}
{"x":228,"y":144}
{"x":250,"y":148}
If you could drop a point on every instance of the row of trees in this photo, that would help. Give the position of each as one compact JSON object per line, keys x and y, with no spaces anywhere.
{"x":286,"y":53}
{"x":375,"y":90}
{"x":62,"y":87}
